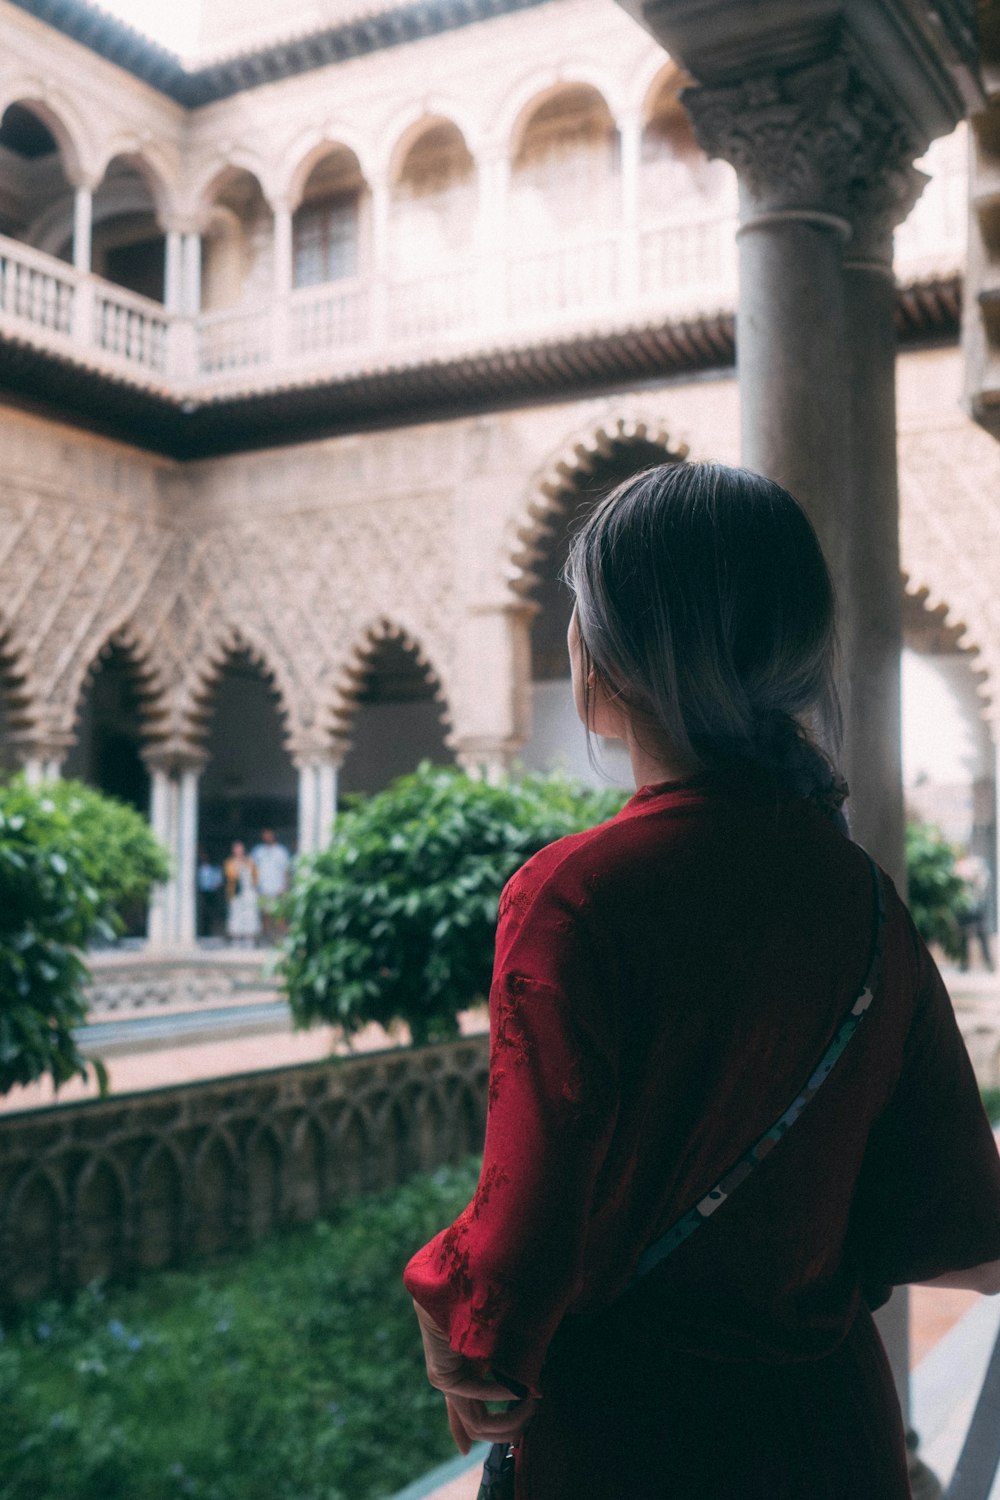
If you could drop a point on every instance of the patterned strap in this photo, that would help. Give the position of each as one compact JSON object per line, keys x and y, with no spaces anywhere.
{"x":737,"y":1175}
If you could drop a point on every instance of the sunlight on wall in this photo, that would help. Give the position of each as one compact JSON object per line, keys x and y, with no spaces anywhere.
{"x":942,"y":734}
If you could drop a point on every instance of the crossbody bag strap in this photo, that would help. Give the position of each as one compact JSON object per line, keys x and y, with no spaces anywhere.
{"x":733,"y":1179}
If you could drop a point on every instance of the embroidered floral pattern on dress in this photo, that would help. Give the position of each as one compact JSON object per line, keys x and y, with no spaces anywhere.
{"x":509,"y":1034}
{"x":493,"y":1177}
{"x":453,"y":1256}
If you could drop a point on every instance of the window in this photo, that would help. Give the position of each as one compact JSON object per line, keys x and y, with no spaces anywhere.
{"x":325,"y":242}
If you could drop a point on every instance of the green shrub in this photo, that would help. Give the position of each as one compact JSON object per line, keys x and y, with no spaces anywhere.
{"x":991,"y":1104}
{"x":70,"y":859}
{"x":122,"y":857}
{"x":395,"y":921}
{"x":936,"y":894}
{"x":49,"y":911}
{"x":292,"y":1372}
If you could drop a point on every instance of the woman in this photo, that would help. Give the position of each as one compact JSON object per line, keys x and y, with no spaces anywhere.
{"x":243,"y":905}
{"x":664,"y":985}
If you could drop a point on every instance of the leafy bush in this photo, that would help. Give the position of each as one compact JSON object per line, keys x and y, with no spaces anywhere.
{"x":293,"y":1372}
{"x":991,"y":1104}
{"x":49,"y":910}
{"x":396,"y":919}
{"x":936,"y":894}
{"x":122,"y":857}
{"x":70,"y":858}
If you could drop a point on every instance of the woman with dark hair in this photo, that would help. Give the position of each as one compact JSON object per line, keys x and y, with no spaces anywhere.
{"x":729,"y":1105}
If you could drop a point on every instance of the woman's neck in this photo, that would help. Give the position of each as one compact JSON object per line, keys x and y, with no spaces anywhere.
{"x":651,"y":766}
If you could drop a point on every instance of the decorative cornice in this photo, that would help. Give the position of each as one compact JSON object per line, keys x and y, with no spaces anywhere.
{"x":436,"y":391}
{"x":192,"y":87}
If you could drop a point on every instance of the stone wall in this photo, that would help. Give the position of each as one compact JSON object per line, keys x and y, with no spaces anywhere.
{"x":113,"y":1187}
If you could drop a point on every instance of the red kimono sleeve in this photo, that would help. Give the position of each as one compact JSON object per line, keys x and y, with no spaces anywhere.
{"x":501,"y":1277}
{"x":928,"y":1197}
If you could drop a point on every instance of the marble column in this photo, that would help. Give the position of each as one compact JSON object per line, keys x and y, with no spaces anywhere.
{"x":173,"y":271}
{"x":191,"y":275}
{"x":493,"y":721}
{"x":317,"y":801}
{"x":283,"y":269}
{"x":173,"y":816}
{"x":83,"y":212}
{"x":630,"y":132}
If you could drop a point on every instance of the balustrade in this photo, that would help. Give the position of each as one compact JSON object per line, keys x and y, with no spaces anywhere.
{"x":678,"y":266}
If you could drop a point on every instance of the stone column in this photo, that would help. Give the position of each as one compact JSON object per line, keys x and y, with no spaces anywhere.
{"x":173,"y":271}
{"x":83,"y":211}
{"x":317,"y":799}
{"x":629,"y":244}
{"x":872,"y":631}
{"x":282,"y":276}
{"x":788,"y":136}
{"x":491,"y":254}
{"x":192,"y":273}
{"x":378,"y":329}
{"x":173,"y":816}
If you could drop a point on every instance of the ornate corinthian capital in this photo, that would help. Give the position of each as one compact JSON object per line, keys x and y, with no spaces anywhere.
{"x":815,"y":139}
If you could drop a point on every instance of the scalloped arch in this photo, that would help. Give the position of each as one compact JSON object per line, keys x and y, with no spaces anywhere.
{"x":148,"y":677}
{"x":203,"y":680}
{"x":349,"y":677}
{"x":983,"y":668}
{"x":553,"y":484}
{"x":20,"y":694}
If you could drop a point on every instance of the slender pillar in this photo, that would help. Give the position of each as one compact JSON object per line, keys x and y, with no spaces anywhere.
{"x":380,"y":216}
{"x":326,"y":802}
{"x":192,"y":274}
{"x":630,"y":138}
{"x":173,"y":271}
{"x":159,"y":820}
{"x":187,"y":856}
{"x":307,"y":807}
{"x":283,"y":271}
{"x":494,"y":720}
{"x":83,"y":213}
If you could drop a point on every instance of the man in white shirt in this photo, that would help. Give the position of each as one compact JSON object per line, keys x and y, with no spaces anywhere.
{"x":273,"y":863}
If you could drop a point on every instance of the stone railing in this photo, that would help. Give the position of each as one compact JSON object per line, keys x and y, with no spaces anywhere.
{"x":112,"y":1187}
{"x":130,"y":984}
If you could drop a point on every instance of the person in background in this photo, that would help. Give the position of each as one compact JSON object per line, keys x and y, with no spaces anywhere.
{"x":273,"y":863}
{"x":974,"y":871}
{"x":243,"y":910}
{"x":211,"y":897}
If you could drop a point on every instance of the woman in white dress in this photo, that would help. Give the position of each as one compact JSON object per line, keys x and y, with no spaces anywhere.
{"x":243,"y":911}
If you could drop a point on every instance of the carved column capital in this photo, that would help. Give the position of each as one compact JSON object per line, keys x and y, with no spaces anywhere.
{"x":813,"y":143}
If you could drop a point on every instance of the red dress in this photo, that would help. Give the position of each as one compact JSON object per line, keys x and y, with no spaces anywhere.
{"x":664,"y":984}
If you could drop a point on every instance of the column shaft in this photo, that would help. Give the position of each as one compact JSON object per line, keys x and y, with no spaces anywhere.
{"x":192,"y":274}
{"x":173,"y":273}
{"x":630,"y":135}
{"x":83,"y":209}
{"x":326,"y":803}
{"x":793,"y":367}
{"x":187,"y":858}
{"x":159,"y":819}
{"x":872,"y":633}
{"x":307,"y":808}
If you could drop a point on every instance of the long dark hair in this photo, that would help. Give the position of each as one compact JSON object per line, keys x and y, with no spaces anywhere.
{"x":705,"y":608}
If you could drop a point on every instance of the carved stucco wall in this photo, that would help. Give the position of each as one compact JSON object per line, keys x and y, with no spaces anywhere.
{"x":303,"y":555}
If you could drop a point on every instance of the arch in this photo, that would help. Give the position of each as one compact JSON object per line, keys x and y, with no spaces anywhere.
{"x":159,"y":1206}
{"x":405,"y":129}
{"x":664,"y":77}
{"x":35,"y":1218}
{"x":219,"y":176}
{"x":101,"y":1205}
{"x":215,"y":1204}
{"x":349,"y":679}
{"x":152,"y":165}
{"x":565,"y":470}
{"x":566,"y":85}
{"x":147,"y":673}
{"x":536,"y":87}
{"x":19,"y":709}
{"x":352,"y":1151}
{"x":264,"y":1159}
{"x":230,"y":641}
{"x":306,"y":1192}
{"x":954,"y":634}
{"x":55,"y":113}
{"x":466,"y":1116}
{"x":310,"y":151}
